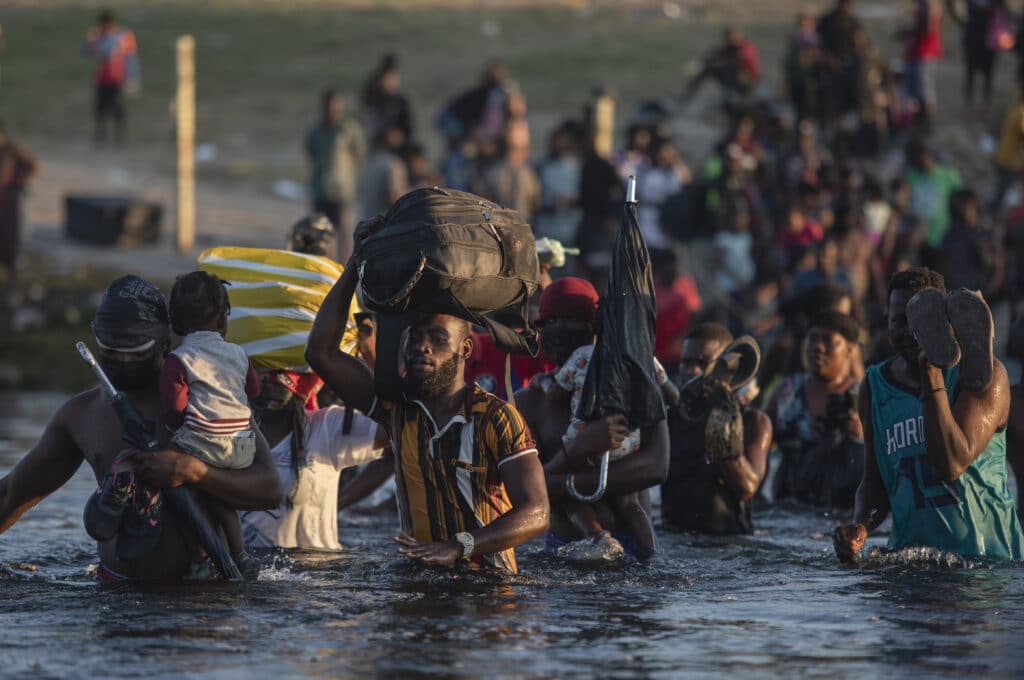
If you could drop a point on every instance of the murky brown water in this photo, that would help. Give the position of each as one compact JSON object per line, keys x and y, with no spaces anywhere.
{"x":771,"y":605}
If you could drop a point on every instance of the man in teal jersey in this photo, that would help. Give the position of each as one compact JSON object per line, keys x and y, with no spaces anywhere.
{"x":935,"y":452}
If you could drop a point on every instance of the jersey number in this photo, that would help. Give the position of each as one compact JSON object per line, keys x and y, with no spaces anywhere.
{"x":940,"y":493}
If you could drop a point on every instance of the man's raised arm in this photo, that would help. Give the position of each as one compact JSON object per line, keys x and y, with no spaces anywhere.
{"x":43,"y":470}
{"x":346,"y":375}
{"x":955,"y":436}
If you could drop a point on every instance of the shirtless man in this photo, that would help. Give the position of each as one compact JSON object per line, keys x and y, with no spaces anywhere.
{"x":711,"y":497}
{"x":935,"y":451}
{"x":133,"y":335}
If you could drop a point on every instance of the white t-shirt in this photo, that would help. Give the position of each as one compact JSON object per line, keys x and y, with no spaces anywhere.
{"x":312,"y":521}
{"x":655,"y":186}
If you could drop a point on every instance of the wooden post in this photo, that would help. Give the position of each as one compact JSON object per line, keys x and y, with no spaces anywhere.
{"x":604,"y":124}
{"x":185,"y":118}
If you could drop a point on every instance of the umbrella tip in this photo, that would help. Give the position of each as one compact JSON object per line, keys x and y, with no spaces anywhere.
{"x":631,"y":189}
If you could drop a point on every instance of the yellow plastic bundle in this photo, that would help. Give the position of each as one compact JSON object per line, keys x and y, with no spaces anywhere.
{"x":275,"y":295}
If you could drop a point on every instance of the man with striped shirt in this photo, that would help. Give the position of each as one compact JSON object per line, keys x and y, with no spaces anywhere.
{"x":470,"y":484}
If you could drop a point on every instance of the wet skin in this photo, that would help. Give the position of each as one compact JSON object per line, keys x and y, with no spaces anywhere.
{"x":954,"y":436}
{"x":743,"y":475}
{"x":435,"y":343}
{"x":86,"y":429}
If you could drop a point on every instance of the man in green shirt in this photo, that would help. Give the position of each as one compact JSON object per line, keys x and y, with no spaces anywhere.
{"x":931,"y":185}
{"x":935,"y":439}
{"x":336,"y":151}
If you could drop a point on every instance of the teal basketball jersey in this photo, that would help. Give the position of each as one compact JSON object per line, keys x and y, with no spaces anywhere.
{"x":973,"y":515}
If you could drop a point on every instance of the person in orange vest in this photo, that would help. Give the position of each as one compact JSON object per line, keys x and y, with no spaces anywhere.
{"x":117,"y":71}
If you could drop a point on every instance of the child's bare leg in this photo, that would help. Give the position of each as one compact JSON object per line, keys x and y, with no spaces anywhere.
{"x":584,"y":518}
{"x":631,"y":512}
{"x":232,"y":527}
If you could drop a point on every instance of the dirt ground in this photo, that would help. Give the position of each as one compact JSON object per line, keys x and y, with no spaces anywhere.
{"x":261,"y":65}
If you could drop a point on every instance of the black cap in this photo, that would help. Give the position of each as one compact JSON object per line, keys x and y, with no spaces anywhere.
{"x":132,"y":316}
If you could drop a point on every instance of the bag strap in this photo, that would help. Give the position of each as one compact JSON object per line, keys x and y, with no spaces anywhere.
{"x":504,"y":337}
{"x":403,"y":292}
{"x":386,"y":378}
{"x":510,"y":397}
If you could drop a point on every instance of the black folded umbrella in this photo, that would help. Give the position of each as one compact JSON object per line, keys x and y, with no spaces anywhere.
{"x":621,"y":374}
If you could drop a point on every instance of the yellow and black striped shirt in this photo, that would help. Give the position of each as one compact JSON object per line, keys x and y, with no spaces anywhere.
{"x":449,"y":478}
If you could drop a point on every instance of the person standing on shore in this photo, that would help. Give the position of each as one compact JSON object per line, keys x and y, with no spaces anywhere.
{"x":17,"y":167}
{"x":336,"y":151}
{"x":117,"y":71}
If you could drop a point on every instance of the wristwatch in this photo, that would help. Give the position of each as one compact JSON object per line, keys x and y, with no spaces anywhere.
{"x":466,"y":540}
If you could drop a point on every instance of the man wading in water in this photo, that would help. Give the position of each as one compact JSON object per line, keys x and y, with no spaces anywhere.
{"x":133,"y":335}
{"x":569,"y":313}
{"x":936,"y":438}
{"x":703,"y":492}
{"x":470,"y":485}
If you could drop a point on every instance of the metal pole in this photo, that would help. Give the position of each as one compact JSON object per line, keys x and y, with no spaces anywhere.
{"x":631,"y":189}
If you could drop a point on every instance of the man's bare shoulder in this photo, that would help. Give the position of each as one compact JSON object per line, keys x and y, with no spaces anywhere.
{"x":529,"y":401}
{"x":80,"y":406}
{"x":757,"y":421}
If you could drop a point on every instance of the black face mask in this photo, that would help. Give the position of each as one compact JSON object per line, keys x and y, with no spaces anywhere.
{"x":131,"y":375}
{"x":273,"y":397}
{"x":559,"y":346}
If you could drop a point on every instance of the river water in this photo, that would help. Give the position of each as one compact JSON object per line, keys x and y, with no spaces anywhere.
{"x":772,"y":604}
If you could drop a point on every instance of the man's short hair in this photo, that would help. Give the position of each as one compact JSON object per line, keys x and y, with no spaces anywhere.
{"x":821,"y":297}
{"x":710,"y":332}
{"x":837,"y":322}
{"x":464,"y":328}
{"x":916,"y":279}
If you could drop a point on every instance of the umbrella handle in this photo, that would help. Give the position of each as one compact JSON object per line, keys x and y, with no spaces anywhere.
{"x":602,"y":481}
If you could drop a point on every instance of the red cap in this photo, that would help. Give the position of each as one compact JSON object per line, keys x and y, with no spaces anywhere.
{"x":302,"y":385}
{"x":569,"y":298}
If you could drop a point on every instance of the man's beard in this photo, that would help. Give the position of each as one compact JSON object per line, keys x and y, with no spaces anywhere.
{"x":435,"y":382}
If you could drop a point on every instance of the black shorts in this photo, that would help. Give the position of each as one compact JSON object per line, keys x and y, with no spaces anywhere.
{"x":109,"y":101}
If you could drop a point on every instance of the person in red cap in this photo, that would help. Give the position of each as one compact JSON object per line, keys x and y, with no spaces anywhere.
{"x":568,"y":322}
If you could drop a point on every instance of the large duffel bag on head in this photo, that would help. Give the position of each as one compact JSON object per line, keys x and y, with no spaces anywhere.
{"x":443,"y":251}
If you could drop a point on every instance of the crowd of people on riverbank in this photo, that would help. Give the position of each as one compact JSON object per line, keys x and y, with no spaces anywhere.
{"x":806,"y":302}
